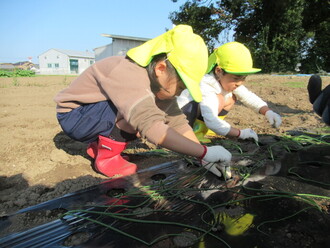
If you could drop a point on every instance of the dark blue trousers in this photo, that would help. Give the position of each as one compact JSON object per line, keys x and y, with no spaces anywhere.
{"x":87,"y":122}
{"x":322,"y":105}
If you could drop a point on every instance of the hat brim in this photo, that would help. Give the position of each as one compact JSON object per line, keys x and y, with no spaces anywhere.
{"x":250,"y":71}
{"x":192,"y":86}
{"x":212,"y":61}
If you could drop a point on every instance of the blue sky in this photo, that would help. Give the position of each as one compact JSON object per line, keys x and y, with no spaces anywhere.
{"x":30,"y":28}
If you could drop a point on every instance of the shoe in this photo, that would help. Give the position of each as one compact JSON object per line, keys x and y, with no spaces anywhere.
{"x":314,"y":87}
{"x":108,"y":159}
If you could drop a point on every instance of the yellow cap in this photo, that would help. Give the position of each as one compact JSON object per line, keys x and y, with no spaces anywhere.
{"x":185,"y":50}
{"x":234,"y":58}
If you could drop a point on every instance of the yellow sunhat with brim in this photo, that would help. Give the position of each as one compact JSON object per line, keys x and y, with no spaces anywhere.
{"x":234,"y":58}
{"x":185,"y":50}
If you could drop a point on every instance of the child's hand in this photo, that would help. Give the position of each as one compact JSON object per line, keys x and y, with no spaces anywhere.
{"x":274,"y":119}
{"x":216,"y":154}
{"x":248,"y":134}
{"x":218,"y":168}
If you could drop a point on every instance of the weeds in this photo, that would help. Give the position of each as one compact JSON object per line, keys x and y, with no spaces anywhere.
{"x":165,"y":202}
{"x":65,"y":80}
{"x":17,"y":73}
{"x":15,"y":82}
{"x":295,"y":84}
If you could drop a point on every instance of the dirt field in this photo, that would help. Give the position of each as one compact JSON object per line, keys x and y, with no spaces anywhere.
{"x":40,"y":163}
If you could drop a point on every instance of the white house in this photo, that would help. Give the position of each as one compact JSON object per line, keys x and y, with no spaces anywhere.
{"x":64,"y":62}
{"x":119,"y":46}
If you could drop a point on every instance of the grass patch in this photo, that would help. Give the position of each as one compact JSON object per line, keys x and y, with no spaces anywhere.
{"x":15,"y":82}
{"x":254,"y":83}
{"x":295,"y":84}
{"x":52,"y":75}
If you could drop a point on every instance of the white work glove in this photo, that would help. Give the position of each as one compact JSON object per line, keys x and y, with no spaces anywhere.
{"x":274,"y":119}
{"x":216,"y":154}
{"x":217,"y":158}
{"x":218,"y":168}
{"x":247,"y":134}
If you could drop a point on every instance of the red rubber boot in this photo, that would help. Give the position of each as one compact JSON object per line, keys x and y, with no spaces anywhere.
{"x":108,"y":160}
{"x":92,"y":149}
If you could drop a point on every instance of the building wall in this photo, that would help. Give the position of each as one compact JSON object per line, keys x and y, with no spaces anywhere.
{"x":54,"y":62}
{"x":103,"y":52}
{"x":84,"y":63}
{"x":118,"y":47}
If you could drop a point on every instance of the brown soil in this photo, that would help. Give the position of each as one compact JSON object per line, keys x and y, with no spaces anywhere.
{"x":39,"y":162}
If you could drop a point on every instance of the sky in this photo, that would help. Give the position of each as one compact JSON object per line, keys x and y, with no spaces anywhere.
{"x":30,"y":28}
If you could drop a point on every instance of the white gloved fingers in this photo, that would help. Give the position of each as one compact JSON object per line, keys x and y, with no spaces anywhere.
{"x":273,"y":118}
{"x":269,"y":117}
{"x":217,"y":154}
{"x":248,"y":134}
{"x":277,"y":120}
{"x":211,"y":167}
{"x":225,"y":169}
{"x":218,"y":169}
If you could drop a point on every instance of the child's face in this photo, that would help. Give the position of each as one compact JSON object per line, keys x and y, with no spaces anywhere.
{"x":170,"y":86}
{"x":229,"y":82}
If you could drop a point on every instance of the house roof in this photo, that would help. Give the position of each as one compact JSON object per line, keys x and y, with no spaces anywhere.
{"x":73,"y":53}
{"x":113,"y":36}
{"x":7,"y":66}
{"x":22,"y":63}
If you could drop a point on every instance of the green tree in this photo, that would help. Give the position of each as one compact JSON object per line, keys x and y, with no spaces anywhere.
{"x":206,"y":21}
{"x":272,"y":29}
{"x":279,"y":33}
{"x":316,"y":23}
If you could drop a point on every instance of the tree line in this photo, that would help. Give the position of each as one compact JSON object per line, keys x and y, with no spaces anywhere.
{"x":282,"y":35}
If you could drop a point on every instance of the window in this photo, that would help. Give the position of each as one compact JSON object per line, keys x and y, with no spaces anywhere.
{"x":74,"y":66}
{"x":49,"y":65}
{"x":57,"y":65}
{"x":91,"y":62}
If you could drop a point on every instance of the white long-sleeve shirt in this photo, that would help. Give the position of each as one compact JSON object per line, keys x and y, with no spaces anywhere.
{"x":209,"y":105}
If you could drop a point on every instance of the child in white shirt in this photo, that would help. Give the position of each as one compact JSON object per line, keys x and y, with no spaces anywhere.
{"x":228,"y":67}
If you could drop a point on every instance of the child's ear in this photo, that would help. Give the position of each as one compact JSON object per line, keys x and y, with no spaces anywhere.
{"x":218,"y":70}
{"x":160,"y":68}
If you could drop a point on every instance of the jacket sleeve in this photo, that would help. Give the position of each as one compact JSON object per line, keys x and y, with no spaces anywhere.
{"x":210,"y":106}
{"x":174,"y":116}
{"x":184,"y":98}
{"x":153,"y":117}
{"x":128,"y":87}
{"x":249,"y":99}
